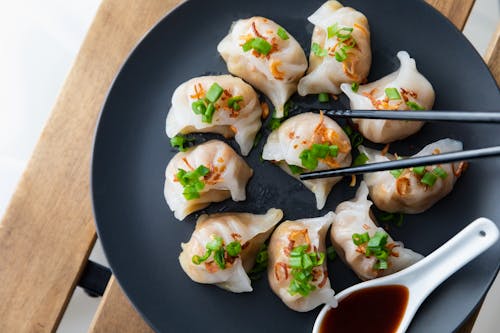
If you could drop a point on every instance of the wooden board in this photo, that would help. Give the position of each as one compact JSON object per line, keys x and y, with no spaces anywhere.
{"x":48,"y":232}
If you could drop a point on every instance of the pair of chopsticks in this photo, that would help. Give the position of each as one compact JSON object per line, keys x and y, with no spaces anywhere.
{"x":449,"y":116}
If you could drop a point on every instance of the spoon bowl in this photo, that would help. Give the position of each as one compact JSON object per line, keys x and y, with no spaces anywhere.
{"x":424,"y":276}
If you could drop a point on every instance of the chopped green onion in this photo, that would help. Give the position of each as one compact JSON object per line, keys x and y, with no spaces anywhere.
{"x":341,"y":54}
{"x":258,"y":44}
{"x":295,"y":169}
{"x":233,"y":102}
{"x":429,"y":179}
{"x":419,"y":170}
{"x":348,"y":130}
{"x":282,"y":33}
{"x":415,"y":106}
{"x":274,"y":122}
{"x":378,"y":240}
{"x":396,"y":173}
{"x":298,"y":251}
{"x":179,"y":141}
{"x":302,"y":265}
{"x":196,"y":259}
{"x":330,"y":252}
{"x":215,"y":243}
{"x":355,"y":86}
{"x":199,"y":107}
{"x":438,"y":171}
{"x":361,"y":159}
{"x":207,"y":116}
{"x":233,"y":248}
{"x":214,"y":92}
{"x":381,"y":264}
{"x":257,"y":139}
{"x":191,"y":181}
{"x":343,"y":36}
{"x":260,"y":263}
{"x":219,"y":258}
{"x":332,"y":30}
{"x":318,"y":50}
{"x":392,"y":93}
{"x":355,"y":138}
{"x":309,"y":157}
{"x":323,"y":97}
{"x":359,"y":239}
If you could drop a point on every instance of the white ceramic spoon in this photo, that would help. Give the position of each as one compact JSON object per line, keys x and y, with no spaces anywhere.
{"x":424,"y":276}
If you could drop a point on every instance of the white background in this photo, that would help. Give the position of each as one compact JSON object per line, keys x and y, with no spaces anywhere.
{"x":39,"y":42}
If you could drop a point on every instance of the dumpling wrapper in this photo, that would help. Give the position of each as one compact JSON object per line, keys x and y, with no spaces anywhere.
{"x":294,"y":233}
{"x":352,"y":217}
{"x":249,"y":229}
{"x":275,"y":74}
{"x":228,"y":177}
{"x":325,"y":74}
{"x":412,"y":87}
{"x":285,"y":144}
{"x":407,"y":194}
{"x":241,"y":124}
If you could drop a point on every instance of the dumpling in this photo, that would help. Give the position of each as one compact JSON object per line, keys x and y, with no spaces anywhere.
{"x":296,"y":268}
{"x":262,"y":53}
{"x":308,"y":142}
{"x":223,"y":247}
{"x":352,"y":229}
{"x":414,"y":190}
{"x":236,"y":112}
{"x":405,"y":89}
{"x":209,"y":172}
{"x":340,"y":51}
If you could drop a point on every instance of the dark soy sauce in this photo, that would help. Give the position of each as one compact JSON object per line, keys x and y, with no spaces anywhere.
{"x":375,"y":310}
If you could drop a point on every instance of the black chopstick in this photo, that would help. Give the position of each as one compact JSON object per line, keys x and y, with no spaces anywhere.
{"x":405,"y":163}
{"x":449,"y":116}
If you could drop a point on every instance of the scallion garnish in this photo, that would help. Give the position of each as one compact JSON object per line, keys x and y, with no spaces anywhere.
{"x":396,"y":173}
{"x":361,"y":159}
{"x":214,"y":92}
{"x":341,"y":53}
{"x":274,"y":122}
{"x":343,"y":35}
{"x":233,"y":102}
{"x":309,"y":157}
{"x":216,"y":246}
{"x":415,"y":106}
{"x":323,"y":97}
{"x":429,"y":179}
{"x":199,"y":107}
{"x":282,"y":33}
{"x":318,"y":50}
{"x":191,"y":181}
{"x":260,"y":45}
{"x":374,"y":246}
{"x":179,"y":141}
{"x":438,"y":171}
{"x":396,"y":218}
{"x":392,"y":93}
{"x":355,"y":86}
{"x":295,"y":169}
{"x":330,"y":253}
{"x":419,"y":170}
{"x":302,"y":265}
{"x":355,"y":138}
{"x":260,"y":263}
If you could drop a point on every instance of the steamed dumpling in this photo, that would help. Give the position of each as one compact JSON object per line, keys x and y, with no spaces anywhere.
{"x":353,"y":217}
{"x":407,"y":90}
{"x":303,"y":133}
{"x":239,"y":237}
{"x":407,"y":193}
{"x":213,"y":172}
{"x":237,"y":110}
{"x":346,"y":54}
{"x":304,"y":237}
{"x":274,"y":65}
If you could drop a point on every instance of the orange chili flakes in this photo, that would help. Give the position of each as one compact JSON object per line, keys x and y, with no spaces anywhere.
{"x":462,"y":166}
{"x":187,"y":163}
{"x":366,"y":226}
{"x":353,"y":181}
{"x":265,"y":110}
{"x":211,"y":267}
{"x":323,"y":282}
{"x":291,"y":134}
{"x":283,"y":267}
{"x":257,"y":31}
{"x":273,"y":67}
{"x":384,"y":151}
{"x":403,"y":186}
{"x":361,"y":29}
{"x":199,"y":92}
{"x":220,"y":160}
{"x":235,"y":236}
{"x":234,"y":129}
{"x":300,"y":237}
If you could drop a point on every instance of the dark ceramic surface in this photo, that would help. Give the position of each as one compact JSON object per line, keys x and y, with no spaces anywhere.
{"x":142,"y":239}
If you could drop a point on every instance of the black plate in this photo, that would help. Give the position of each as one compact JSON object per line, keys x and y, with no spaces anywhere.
{"x":142,"y":239}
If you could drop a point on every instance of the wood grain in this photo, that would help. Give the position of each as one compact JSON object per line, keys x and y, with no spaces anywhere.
{"x":116,"y":314}
{"x":457,"y":11}
{"x":492,"y":56}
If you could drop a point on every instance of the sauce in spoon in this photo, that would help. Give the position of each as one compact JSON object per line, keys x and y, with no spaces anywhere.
{"x":374,"y":310}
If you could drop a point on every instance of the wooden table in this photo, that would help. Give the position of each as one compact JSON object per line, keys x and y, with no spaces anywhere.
{"x":48,"y":231}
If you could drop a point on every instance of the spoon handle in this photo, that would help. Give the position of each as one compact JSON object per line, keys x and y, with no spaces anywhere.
{"x":424,"y":276}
